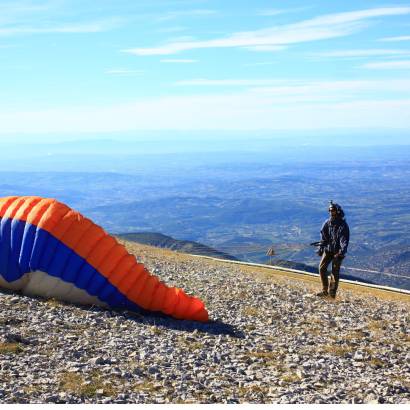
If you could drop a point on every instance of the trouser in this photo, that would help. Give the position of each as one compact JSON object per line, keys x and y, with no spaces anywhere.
{"x":334,"y":277}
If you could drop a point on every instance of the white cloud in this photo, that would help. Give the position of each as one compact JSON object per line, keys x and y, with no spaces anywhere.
{"x":398,"y":38}
{"x":228,"y":82}
{"x":276,"y":12}
{"x":291,"y":87}
{"x":17,"y":9}
{"x":318,"y":28}
{"x":362,"y":53}
{"x":284,"y":91}
{"x":280,"y":107}
{"x":333,"y":91}
{"x":354,"y":16}
{"x":266,"y":48}
{"x":388,"y":65}
{"x":178,"y":61}
{"x":88,"y":27}
{"x":28,"y":17}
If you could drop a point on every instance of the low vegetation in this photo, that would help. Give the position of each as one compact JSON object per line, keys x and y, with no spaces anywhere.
{"x":95,"y":383}
{"x":11,"y":348}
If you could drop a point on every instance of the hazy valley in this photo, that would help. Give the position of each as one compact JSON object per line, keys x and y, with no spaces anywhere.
{"x":237,"y":200}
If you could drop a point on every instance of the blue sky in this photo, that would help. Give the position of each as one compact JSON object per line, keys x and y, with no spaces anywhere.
{"x":78,"y":66}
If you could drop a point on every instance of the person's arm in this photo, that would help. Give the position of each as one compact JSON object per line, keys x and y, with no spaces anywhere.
{"x":344,"y":241}
{"x":324,"y":239}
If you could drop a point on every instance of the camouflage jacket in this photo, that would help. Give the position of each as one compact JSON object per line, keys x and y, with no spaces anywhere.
{"x":335,"y":236}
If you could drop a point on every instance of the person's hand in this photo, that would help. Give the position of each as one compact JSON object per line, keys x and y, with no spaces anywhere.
{"x":319,"y":252}
{"x":339,"y":256}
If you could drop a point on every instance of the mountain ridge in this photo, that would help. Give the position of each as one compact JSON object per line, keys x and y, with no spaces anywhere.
{"x":160,"y":240}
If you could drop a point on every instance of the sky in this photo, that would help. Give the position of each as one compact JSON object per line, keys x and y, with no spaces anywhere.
{"x":81,"y":66}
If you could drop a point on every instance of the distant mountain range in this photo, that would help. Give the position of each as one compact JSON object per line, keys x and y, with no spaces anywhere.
{"x":163,"y":241}
{"x":236,"y":202}
{"x":194,"y":248}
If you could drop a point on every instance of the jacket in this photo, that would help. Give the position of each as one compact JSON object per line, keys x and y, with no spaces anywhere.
{"x":335,"y":236}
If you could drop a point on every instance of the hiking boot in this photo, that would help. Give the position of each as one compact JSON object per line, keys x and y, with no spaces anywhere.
{"x":322,"y":294}
{"x":332,"y":295}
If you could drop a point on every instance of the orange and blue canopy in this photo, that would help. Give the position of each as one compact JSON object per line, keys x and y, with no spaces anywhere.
{"x":48,"y":249}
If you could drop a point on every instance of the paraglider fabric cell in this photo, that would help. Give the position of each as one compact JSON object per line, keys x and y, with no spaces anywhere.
{"x":50,"y":250}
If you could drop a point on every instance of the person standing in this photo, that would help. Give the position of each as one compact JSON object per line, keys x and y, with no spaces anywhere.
{"x":333,"y":248}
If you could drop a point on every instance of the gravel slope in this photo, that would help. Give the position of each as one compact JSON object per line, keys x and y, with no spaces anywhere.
{"x":270,"y":341}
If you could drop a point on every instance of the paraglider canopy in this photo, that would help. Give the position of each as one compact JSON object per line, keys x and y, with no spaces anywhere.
{"x":48,"y":249}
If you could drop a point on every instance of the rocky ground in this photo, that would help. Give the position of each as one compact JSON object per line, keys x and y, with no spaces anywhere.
{"x":270,"y":341}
